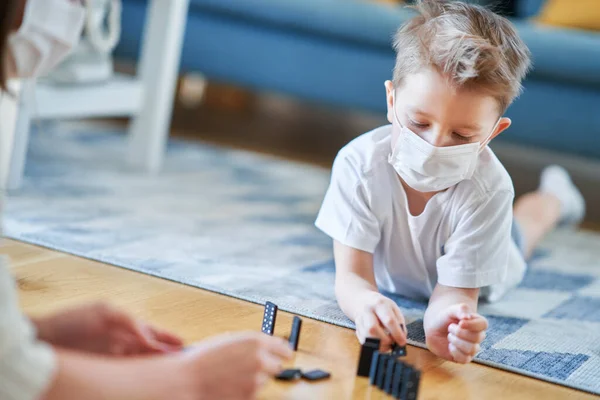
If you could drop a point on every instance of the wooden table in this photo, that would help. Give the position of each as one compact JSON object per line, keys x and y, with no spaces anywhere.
{"x":49,"y":280}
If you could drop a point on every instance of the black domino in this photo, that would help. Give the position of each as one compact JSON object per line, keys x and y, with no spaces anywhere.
{"x":410,"y":384}
{"x":268,"y":324}
{"x":398,"y":351}
{"x":289,"y":375}
{"x":413,"y":390}
{"x":316,"y":375}
{"x":374,"y":368}
{"x":381,"y":369}
{"x":397,"y":380}
{"x":295,"y":334}
{"x":366,"y":356}
{"x":389,"y":375}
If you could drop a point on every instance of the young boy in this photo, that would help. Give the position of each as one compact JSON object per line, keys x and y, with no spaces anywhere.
{"x":422,"y":207}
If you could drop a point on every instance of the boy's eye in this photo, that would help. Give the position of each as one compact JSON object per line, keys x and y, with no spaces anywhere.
{"x":461,"y":137}
{"x":418,"y":124}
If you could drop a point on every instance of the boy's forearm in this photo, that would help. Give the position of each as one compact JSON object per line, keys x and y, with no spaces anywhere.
{"x":354,"y":278}
{"x":90,"y":377}
{"x":350,"y":291}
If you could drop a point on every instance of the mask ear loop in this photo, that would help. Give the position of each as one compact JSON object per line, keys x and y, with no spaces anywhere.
{"x":391,"y":156}
{"x":394,"y":109}
{"x":489,"y":138}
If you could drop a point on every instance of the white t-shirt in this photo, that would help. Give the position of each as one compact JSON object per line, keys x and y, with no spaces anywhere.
{"x":462,"y":238}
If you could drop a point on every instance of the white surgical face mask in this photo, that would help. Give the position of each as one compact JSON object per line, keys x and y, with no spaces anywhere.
{"x":50,"y":29}
{"x":428,"y":168}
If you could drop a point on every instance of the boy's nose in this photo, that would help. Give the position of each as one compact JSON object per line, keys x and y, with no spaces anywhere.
{"x":435,"y":138}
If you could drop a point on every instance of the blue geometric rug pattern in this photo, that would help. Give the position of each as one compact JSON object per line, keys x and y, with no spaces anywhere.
{"x":242,"y":224}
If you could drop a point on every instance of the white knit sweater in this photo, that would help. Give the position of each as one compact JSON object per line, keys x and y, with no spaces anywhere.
{"x":26,"y":364}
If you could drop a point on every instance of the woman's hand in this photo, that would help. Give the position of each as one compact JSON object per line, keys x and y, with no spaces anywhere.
{"x":101,"y":328}
{"x":234,"y":367}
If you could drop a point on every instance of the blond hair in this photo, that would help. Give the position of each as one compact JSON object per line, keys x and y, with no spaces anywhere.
{"x":469,"y":45}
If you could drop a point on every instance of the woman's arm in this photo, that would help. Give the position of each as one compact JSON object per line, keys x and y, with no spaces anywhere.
{"x":29,"y":367}
{"x":233,"y":366}
{"x":83,"y":376}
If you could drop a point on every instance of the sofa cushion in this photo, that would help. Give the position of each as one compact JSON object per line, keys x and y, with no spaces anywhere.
{"x":361,"y":22}
{"x":563,"y":55}
{"x":529,"y":8}
{"x":583,"y":14}
{"x":558,"y":54}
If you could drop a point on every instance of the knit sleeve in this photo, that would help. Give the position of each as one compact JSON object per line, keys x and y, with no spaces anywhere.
{"x":26,"y":365}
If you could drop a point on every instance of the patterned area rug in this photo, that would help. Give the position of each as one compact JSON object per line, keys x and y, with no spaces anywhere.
{"x":242,"y":225}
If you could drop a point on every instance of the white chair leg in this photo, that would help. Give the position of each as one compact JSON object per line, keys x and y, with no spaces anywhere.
{"x":161,"y":53}
{"x":15,"y":118}
{"x":9,"y":111}
{"x":21,"y":136}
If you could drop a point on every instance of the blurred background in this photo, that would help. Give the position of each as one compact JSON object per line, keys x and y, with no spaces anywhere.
{"x":300,"y":78}
{"x":303,"y":77}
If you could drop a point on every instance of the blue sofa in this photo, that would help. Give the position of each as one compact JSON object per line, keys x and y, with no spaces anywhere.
{"x":339,"y":52}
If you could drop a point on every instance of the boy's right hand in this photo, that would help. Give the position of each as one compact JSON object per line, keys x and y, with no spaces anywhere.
{"x":380,"y":318}
{"x":234,"y":366}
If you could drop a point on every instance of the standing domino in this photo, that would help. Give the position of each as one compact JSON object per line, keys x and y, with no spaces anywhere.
{"x":374,"y":368}
{"x":397,"y":379}
{"x":410,"y":384}
{"x":295,"y":334}
{"x":398,"y":351}
{"x":268,"y":324}
{"x":382,"y":370}
{"x":389,"y":375}
{"x":366,"y":355}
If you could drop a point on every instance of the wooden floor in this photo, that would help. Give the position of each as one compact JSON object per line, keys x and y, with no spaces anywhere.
{"x":49,"y":280}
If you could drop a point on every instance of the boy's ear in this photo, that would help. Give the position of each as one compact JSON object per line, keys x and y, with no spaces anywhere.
{"x":389,"y":97}
{"x":503,"y":124}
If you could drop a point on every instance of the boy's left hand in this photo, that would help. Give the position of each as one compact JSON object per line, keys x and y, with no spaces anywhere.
{"x":457,"y":334}
{"x":101,"y":328}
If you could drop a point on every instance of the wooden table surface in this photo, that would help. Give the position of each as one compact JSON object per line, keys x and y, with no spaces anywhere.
{"x":49,"y":280}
